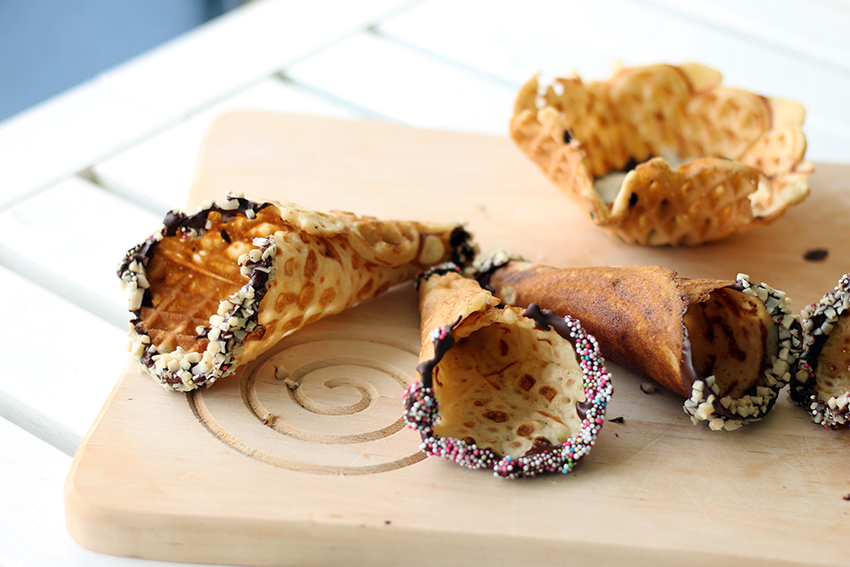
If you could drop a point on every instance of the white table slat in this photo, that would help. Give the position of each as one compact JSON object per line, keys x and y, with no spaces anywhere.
{"x":64,"y":135}
{"x":503,"y":41}
{"x":208,"y":64}
{"x":70,"y":238}
{"x":554,"y":36}
{"x":61,"y":363}
{"x":32,"y":522}
{"x":158,"y":172}
{"x":815,"y":29}
{"x":149,"y":93}
{"x":407,"y":86}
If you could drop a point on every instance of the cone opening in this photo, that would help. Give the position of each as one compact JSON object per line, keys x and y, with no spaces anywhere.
{"x":189,"y":280}
{"x":778,"y":359}
{"x":424,"y":412}
{"x":832,"y":372}
{"x":734,"y":339}
{"x":587,"y":136}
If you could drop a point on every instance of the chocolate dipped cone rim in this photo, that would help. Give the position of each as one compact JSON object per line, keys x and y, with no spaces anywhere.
{"x":213,"y":290}
{"x":821,"y":393}
{"x":704,"y":400}
{"x":730,"y":413}
{"x":422,"y":408}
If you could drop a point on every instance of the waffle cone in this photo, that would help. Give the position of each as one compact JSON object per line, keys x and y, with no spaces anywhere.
{"x":724,"y":345}
{"x":746,"y":151}
{"x":511,"y":393}
{"x":212,"y":291}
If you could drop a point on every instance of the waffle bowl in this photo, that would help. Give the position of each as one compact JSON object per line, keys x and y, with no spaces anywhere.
{"x":666,"y":155}
{"x":649,"y":471}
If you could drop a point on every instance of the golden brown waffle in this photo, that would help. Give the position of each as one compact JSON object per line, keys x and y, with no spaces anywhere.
{"x":212,"y":291}
{"x":749,"y":150}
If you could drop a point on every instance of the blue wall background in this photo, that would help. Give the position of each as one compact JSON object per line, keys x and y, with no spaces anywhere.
{"x":48,"y":46}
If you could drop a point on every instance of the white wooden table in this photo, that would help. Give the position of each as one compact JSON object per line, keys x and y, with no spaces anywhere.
{"x":91,"y":172}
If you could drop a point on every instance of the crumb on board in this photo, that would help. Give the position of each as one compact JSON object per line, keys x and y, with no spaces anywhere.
{"x":816,"y":254}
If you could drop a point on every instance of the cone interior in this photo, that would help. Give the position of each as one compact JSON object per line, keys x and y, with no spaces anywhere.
{"x":508,"y":388}
{"x":190,"y":277}
{"x":733,"y":338}
{"x":833,"y":361}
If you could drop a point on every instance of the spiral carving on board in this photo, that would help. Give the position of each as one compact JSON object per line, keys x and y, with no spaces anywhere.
{"x":321,"y":403}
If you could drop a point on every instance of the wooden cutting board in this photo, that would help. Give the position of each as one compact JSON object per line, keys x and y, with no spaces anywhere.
{"x":250,"y":472}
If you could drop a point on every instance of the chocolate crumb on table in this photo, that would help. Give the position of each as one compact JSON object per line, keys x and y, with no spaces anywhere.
{"x":816,"y":254}
{"x":620,"y":419}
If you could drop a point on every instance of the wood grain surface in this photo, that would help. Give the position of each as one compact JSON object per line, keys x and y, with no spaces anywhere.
{"x":254,"y":471}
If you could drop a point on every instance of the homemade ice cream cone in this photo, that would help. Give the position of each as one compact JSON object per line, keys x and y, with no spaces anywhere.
{"x":726,"y":346}
{"x":212,"y":291}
